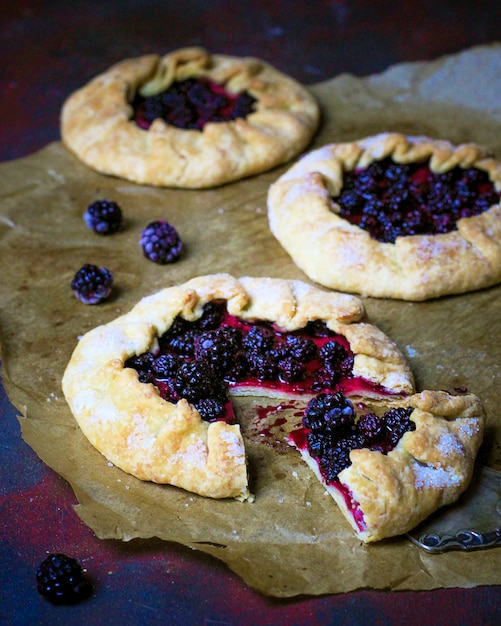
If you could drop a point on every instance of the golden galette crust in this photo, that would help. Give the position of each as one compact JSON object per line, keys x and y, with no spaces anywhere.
{"x":96,"y":122}
{"x":304,"y":218}
{"x":152,"y":439}
{"x":429,"y":468}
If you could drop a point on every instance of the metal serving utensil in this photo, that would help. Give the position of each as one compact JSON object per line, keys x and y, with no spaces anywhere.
{"x":472,"y":523}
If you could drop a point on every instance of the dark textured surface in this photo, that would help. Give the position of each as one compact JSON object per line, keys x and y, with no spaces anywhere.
{"x":49,"y":49}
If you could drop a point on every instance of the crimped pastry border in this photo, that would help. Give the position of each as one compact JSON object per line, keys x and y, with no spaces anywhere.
{"x":96,"y":122}
{"x":159,"y":441}
{"x":339,"y":255}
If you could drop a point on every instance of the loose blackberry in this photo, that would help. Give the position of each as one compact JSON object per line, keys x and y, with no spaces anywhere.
{"x":92,"y":284}
{"x":60,"y":580}
{"x":161,"y":242}
{"x":104,"y":217}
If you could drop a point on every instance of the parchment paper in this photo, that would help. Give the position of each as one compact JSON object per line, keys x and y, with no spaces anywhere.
{"x":292,"y":540}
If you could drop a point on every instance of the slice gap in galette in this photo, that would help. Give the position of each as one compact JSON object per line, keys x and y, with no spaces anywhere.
{"x":392,"y":216}
{"x":188,"y":119}
{"x":153,"y":390}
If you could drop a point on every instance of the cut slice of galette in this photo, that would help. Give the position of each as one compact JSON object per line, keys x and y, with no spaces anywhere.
{"x":388,"y":467}
{"x":188,"y":119}
{"x":392,"y":216}
{"x":152,"y":389}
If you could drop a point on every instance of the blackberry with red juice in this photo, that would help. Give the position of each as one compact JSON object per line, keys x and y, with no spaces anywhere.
{"x":391,"y":200}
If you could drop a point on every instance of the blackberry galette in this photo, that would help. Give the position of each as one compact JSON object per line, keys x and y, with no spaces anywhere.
{"x":392,"y":216}
{"x":151,"y":389}
{"x":188,"y":119}
{"x":154,"y":390}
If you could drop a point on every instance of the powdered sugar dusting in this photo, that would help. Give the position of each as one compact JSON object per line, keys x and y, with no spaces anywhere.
{"x":195,"y":455}
{"x":427,"y":477}
{"x":468,"y":428}
{"x":235,"y":449}
{"x":140,"y":437}
{"x":449,"y":445}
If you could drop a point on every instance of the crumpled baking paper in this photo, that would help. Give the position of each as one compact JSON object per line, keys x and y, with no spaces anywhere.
{"x":292,"y":540}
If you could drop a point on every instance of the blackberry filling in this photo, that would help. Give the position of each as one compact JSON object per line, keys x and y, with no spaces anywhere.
{"x":192,"y":103}
{"x":330,"y":431}
{"x":391,"y":200}
{"x":200,"y":360}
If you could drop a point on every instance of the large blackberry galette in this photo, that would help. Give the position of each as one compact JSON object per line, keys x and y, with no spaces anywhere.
{"x":151,"y":389}
{"x":154,"y":392}
{"x":392,"y":216}
{"x":188,"y":119}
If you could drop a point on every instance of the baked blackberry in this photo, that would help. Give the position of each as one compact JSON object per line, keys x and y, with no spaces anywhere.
{"x":91,"y":284}
{"x":239,"y":369}
{"x":371,"y":427}
{"x":60,"y":579}
{"x":262,"y":365}
{"x":212,"y":315}
{"x":161,"y":242}
{"x":210,"y":409}
{"x":166,"y":365}
{"x":391,"y":200}
{"x":259,"y":338}
{"x":218,"y":347}
{"x":196,"y":380}
{"x":104,"y":217}
{"x":192,"y":103}
{"x":291,"y":370}
{"x":318,"y":328}
{"x":329,"y":411}
{"x":335,"y":358}
{"x":302,"y":349}
{"x":398,"y":422}
{"x":143,"y":364}
{"x":181,"y":343}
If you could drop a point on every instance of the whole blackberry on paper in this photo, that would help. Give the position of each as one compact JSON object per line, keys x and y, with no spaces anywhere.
{"x":161,"y":242}
{"x":104,"y":217}
{"x":92,"y":284}
{"x":60,"y":580}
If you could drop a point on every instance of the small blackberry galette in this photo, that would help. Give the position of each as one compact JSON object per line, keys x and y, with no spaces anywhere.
{"x":388,"y":467}
{"x":188,"y":119}
{"x":152,"y":389}
{"x":392,"y":216}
